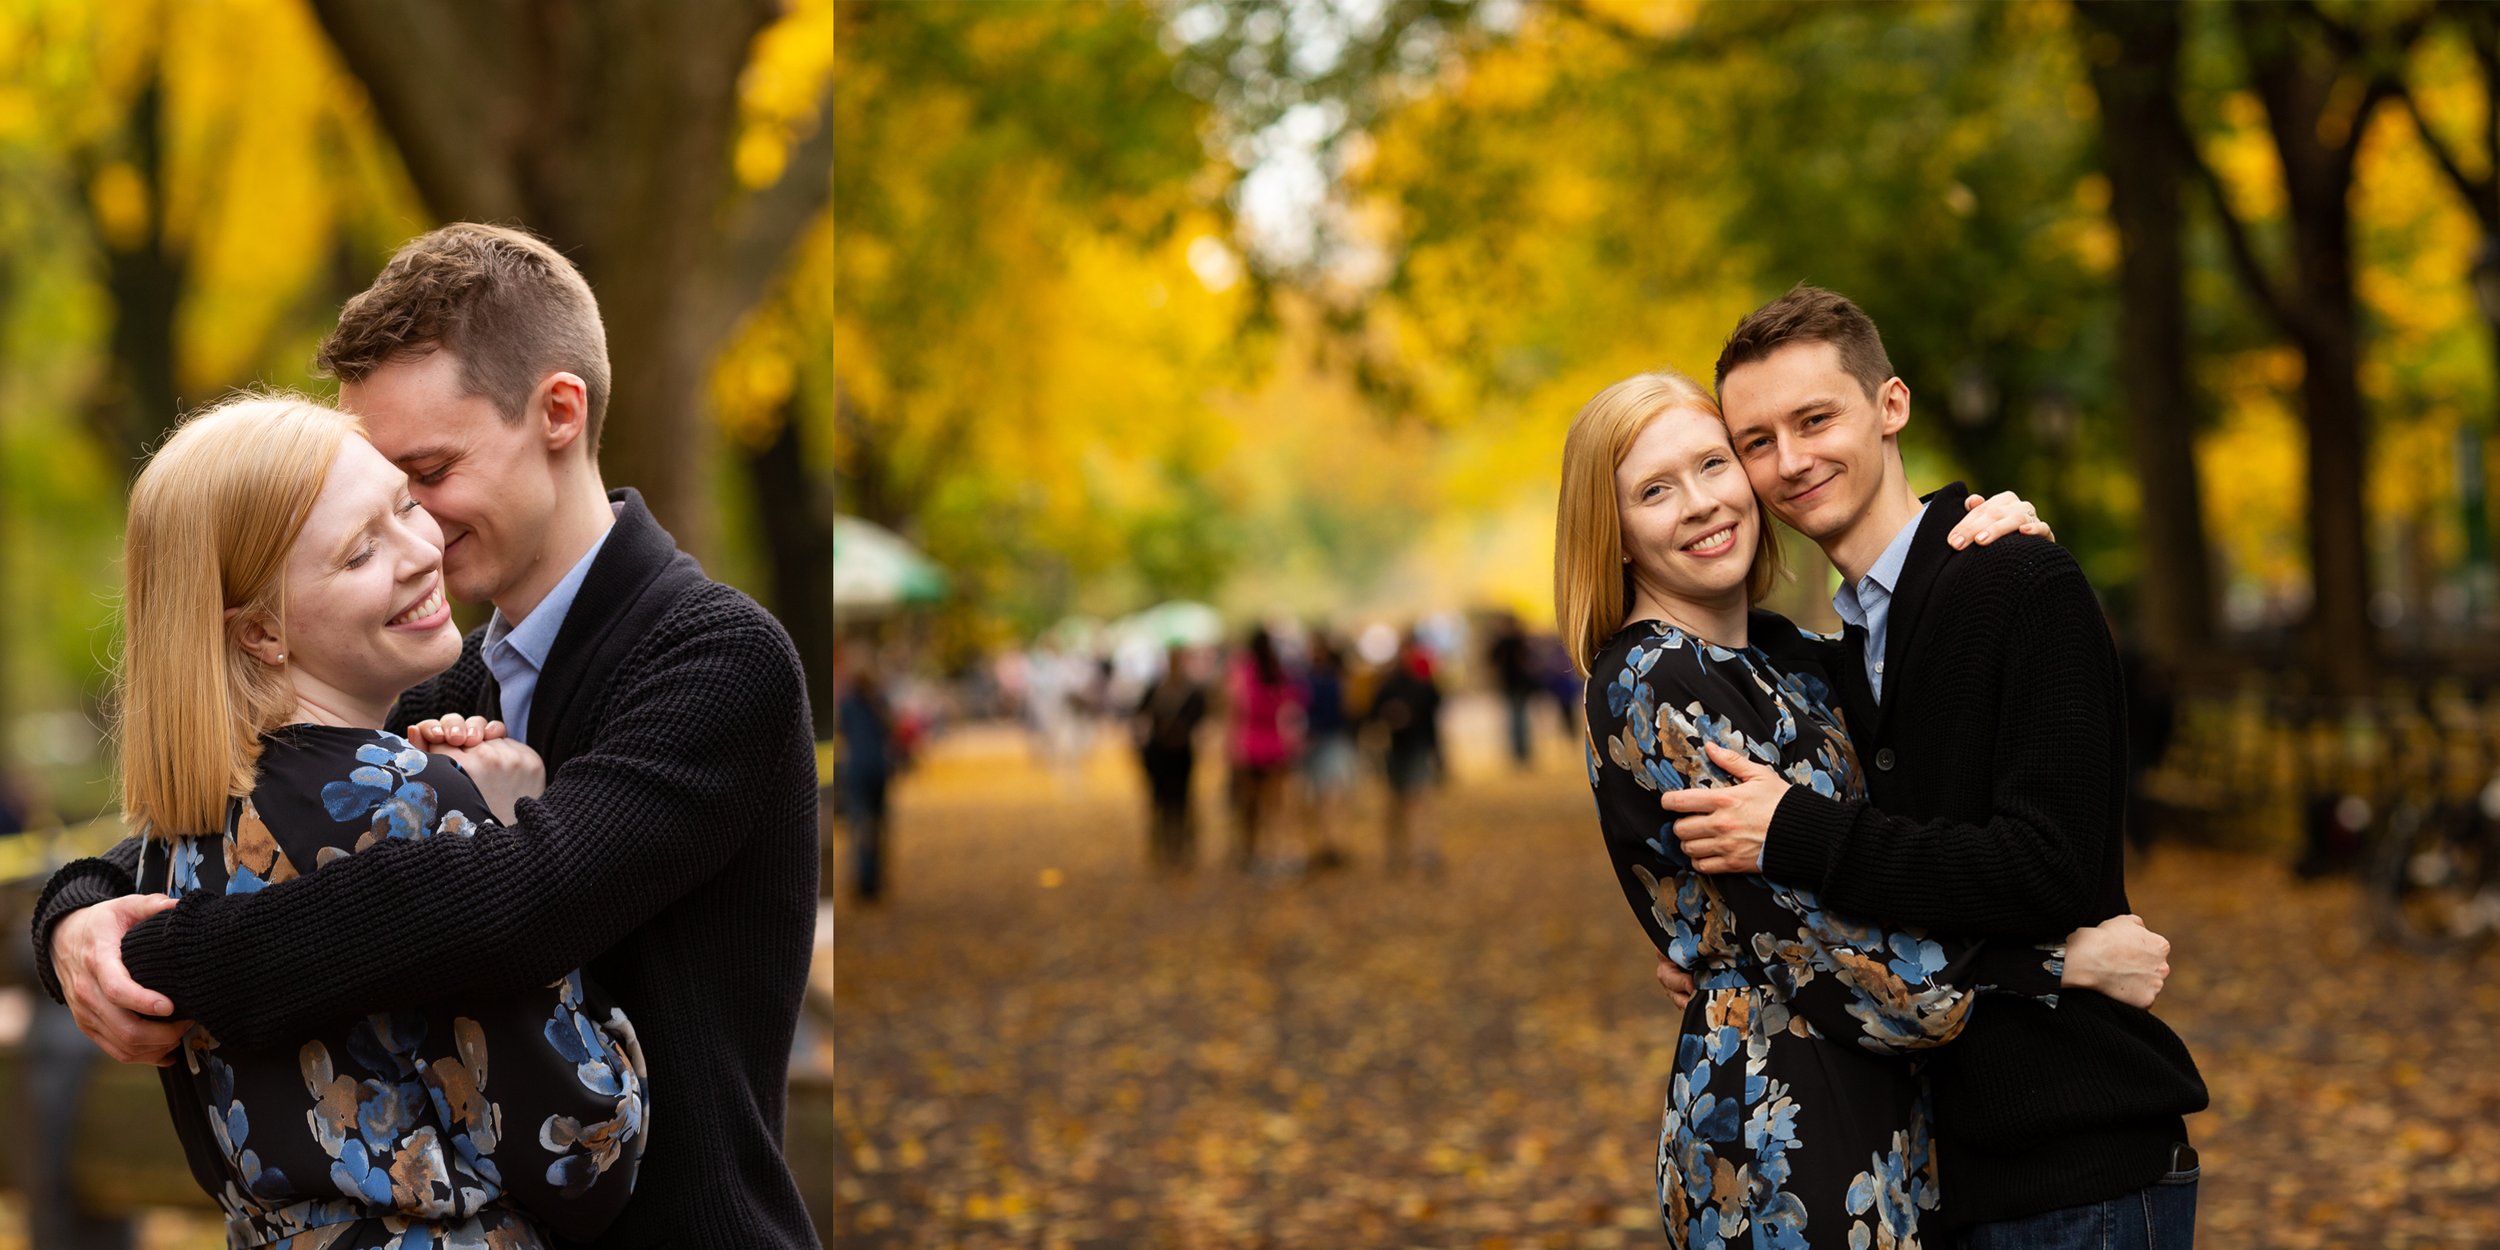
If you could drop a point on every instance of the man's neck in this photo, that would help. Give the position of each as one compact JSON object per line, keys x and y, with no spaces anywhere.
{"x":581,"y":517}
{"x":1855,"y":550}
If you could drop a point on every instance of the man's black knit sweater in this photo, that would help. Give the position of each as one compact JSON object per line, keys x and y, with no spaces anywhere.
{"x":1995,"y":785}
{"x":673,"y":854}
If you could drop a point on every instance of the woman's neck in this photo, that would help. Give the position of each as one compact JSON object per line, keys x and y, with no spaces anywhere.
{"x":316,"y":704}
{"x":1722,"y":622}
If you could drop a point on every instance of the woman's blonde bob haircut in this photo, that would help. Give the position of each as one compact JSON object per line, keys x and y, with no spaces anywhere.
{"x":212,"y":517}
{"x":1592,"y":584}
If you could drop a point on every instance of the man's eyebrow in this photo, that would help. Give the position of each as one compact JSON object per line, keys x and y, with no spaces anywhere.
{"x":1813,"y":405}
{"x":422,"y":455}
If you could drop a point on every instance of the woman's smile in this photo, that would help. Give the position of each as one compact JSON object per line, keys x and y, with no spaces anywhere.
{"x":427,"y":614}
{"x":1717,"y":542}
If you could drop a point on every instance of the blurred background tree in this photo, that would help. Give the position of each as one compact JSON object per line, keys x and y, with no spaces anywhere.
{"x":191,"y":190}
{"x":1402,"y":242}
{"x":1285,"y":304}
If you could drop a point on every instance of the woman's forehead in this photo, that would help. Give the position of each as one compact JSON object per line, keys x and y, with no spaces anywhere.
{"x":1676,"y":433}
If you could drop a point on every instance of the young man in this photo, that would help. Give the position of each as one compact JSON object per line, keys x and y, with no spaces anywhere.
{"x":1988,"y":718}
{"x":674,"y":850}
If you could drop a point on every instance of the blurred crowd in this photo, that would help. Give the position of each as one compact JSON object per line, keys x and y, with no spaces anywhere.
{"x":1302,"y":721}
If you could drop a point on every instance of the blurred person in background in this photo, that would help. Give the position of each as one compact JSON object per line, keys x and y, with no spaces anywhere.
{"x":1329,"y":758}
{"x":1166,"y":730}
{"x":872,"y":751}
{"x":16,"y":803}
{"x":1506,"y":656}
{"x":1407,"y":707}
{"x":1776,"y":1133}
{"x":1055,"y":683}
{"x":1561,"y":683}
{"x":1262,"y":734}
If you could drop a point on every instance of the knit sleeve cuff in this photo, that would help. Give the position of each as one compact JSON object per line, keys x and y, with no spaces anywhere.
{"x":79,"y":884}
{"x":1803,"y":846}
{"x":2033,"y":971}
{"x":153,"y":956}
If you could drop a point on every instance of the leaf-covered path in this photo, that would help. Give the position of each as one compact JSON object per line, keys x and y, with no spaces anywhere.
{"x":1040,"y":1045}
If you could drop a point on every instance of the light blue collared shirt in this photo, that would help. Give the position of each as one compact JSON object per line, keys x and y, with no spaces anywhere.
{"x":515,"y":654}
{"x":1867,"y":603}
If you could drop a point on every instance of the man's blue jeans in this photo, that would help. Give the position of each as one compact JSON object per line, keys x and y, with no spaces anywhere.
{"x":2162,"y":1217}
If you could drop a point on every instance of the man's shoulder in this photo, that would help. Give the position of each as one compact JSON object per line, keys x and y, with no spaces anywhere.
{"x":712,"y":609}
{"x":2013,"y":564}
{"x":712,"y":625}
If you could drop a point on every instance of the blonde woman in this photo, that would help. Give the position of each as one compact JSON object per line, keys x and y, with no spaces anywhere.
{"x":283,"y":588}
{"x":1793,"y":1120}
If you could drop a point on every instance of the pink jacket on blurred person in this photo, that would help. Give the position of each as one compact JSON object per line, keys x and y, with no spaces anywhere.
{"x":1257,"y":730}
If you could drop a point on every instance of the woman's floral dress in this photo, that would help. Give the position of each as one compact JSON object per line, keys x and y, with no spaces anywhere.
{"x":446,"y":1127}
{"x":1793,"y":1120}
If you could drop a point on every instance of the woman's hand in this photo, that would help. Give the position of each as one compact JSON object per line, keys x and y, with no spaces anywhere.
{"x":1675,"y":981}
{"x":2118,"y":957}
{"x":505,"y":772}
{"x":1996,"y":516}
{"x":463,"y":731}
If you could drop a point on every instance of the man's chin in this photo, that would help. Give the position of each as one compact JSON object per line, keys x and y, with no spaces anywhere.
{"x":466,"y":589}
{"x":1815,"y":522}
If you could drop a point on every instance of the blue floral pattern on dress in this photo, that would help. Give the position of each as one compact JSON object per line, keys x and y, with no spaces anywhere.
{"x":392,"y":1133}
{"x":1763,"y":1143}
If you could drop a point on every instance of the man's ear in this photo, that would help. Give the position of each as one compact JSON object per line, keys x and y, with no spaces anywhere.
{"x":1892,"y":405}
{"x":256,"y":633}
{"x":564,"y":401}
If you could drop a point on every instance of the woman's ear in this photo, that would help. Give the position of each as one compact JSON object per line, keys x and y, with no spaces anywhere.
{"x":256,"y":633}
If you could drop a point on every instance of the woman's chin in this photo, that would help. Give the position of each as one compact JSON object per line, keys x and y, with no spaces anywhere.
{"x":434,"y":651}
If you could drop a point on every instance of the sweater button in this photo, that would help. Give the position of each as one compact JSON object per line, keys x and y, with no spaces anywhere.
{"x":1883,"y":759}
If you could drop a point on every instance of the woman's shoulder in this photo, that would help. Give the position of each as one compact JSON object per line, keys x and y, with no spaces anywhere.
{"x":1658,"y":659}
{"x":325,"y":779}
{"x":1788,"y":643}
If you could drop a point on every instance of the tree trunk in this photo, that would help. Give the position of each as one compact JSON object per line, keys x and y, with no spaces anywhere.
{"x":2133,"y":50}
{"x":144,"y":274}
{"x":607,"y":128}
{"x":796,"y":509}
{"x":2317,"y":131}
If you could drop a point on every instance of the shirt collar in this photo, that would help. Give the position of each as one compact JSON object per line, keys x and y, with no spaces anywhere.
{"x":1885,"y":575}
{"x":537,"y":631}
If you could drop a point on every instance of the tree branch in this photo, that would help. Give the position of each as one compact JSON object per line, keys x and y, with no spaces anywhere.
{"x":2244,"y":259}
{"x":2479,"y":193}
{"x":417,"y":63}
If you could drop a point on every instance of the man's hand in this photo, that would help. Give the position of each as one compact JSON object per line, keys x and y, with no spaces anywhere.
{"x":1996,"y":516}
{"x":1675,"y":981}
{"x":2118,"y":957}
{"x":453,"y":731}
{"x":505,"y":772}
{"x":109,"y":1007}
{"x":1723,"y":826}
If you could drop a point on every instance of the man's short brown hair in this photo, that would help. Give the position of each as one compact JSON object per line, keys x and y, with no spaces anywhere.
{"x":503,"y":302}
{"x":1810,"y":314}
